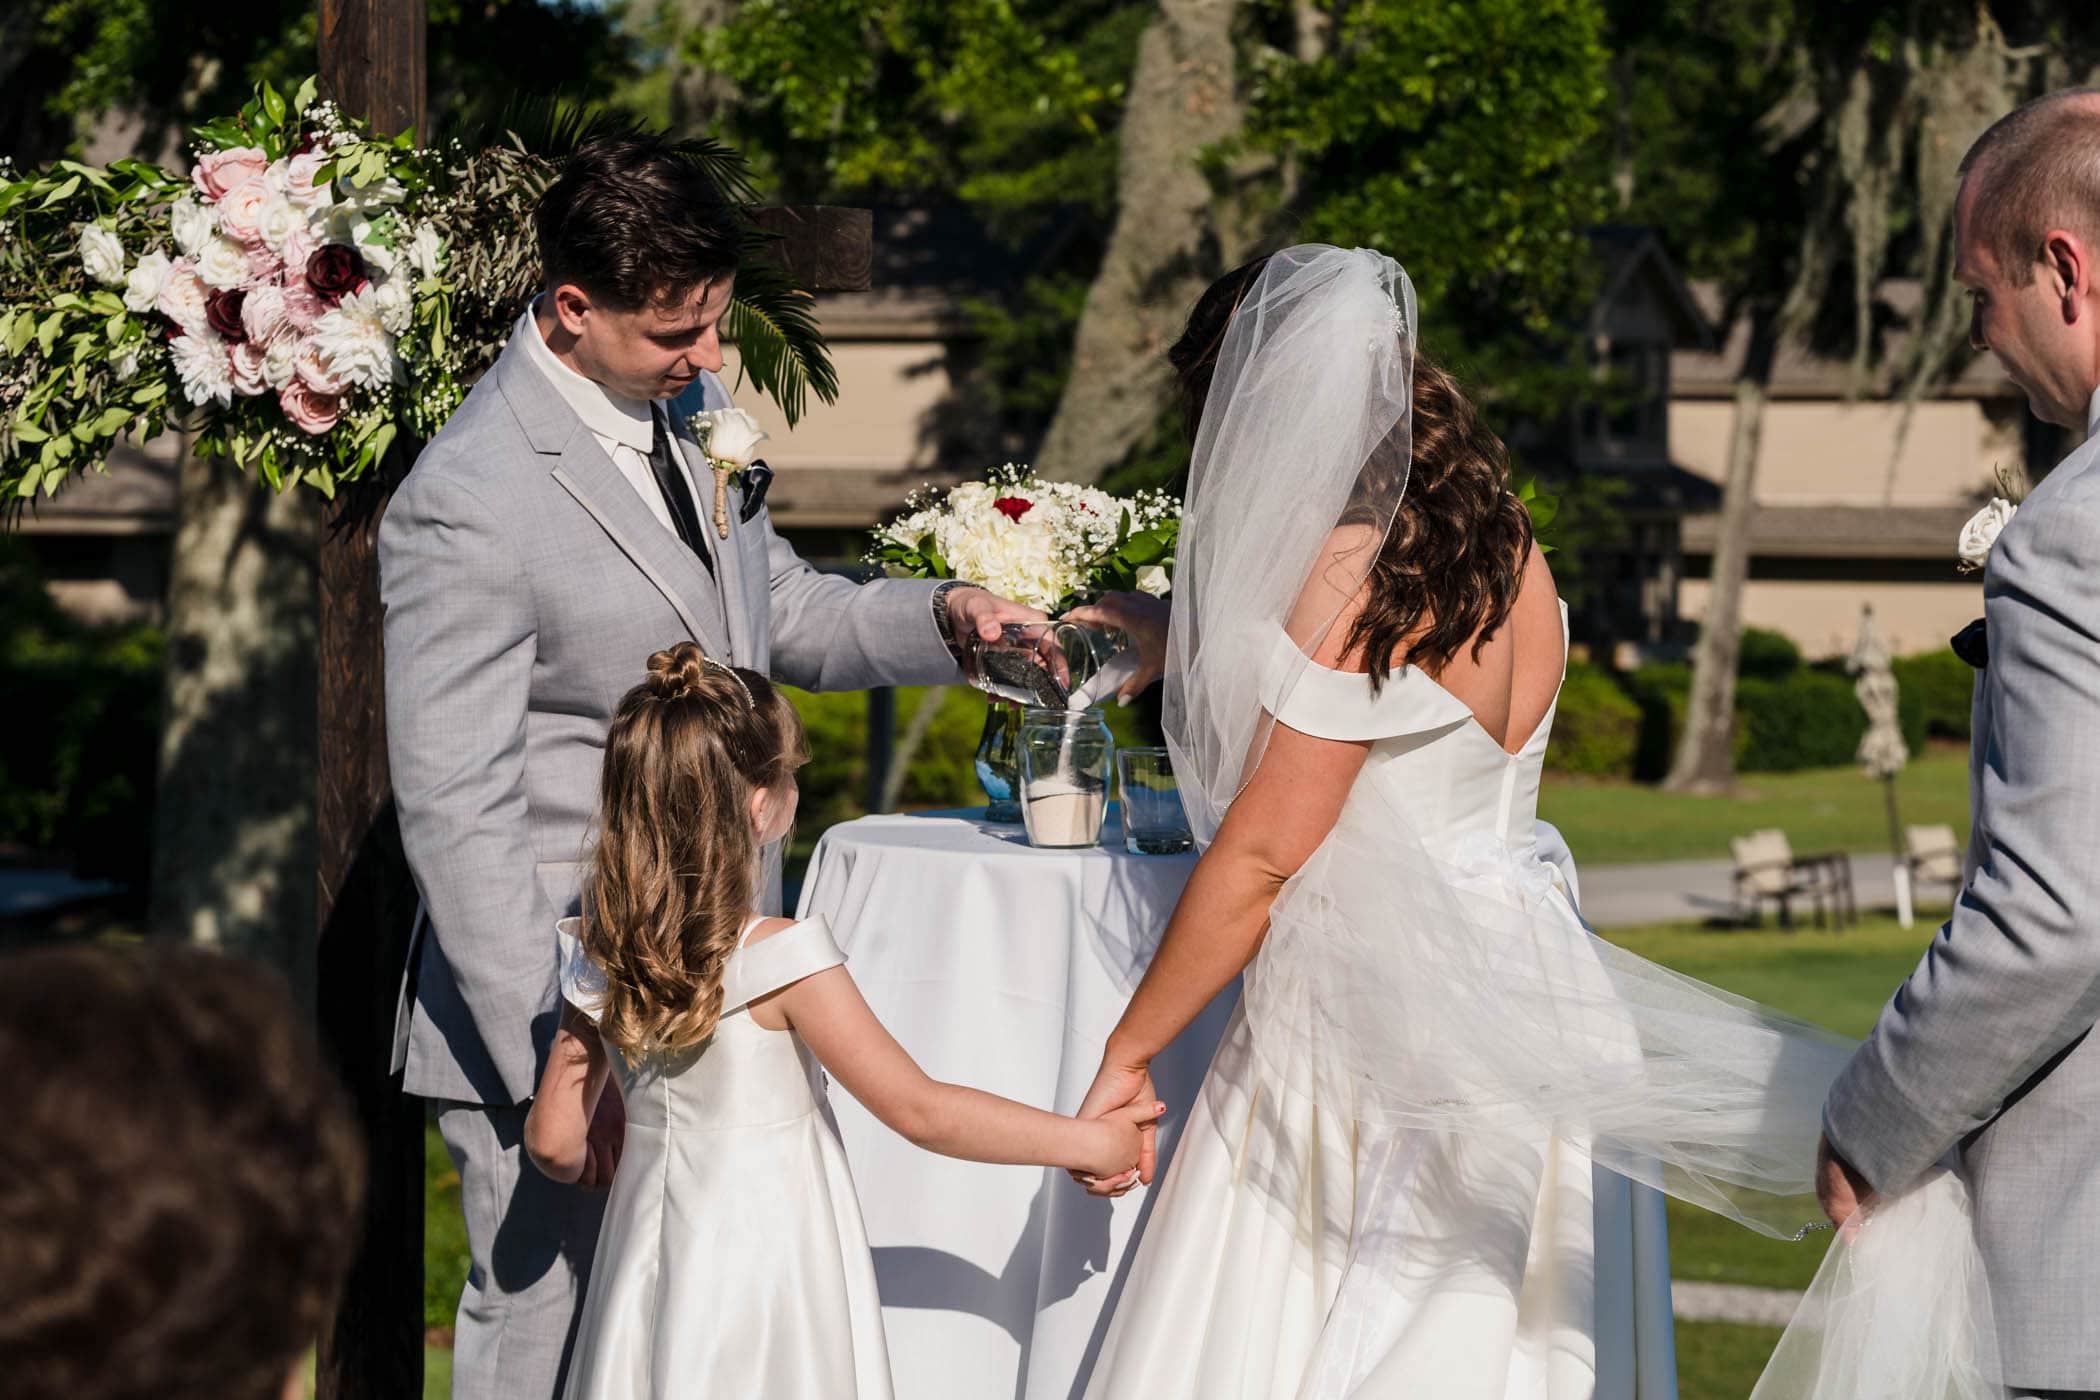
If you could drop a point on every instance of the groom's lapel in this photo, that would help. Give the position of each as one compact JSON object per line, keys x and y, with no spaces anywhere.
{"x":581,"y":467}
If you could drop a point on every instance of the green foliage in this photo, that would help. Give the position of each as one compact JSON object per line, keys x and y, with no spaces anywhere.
{"x":1808,"y":719}
{"x":445,"y":1257}
{"x":1944,"y":685}
{"x":1597,"y":729}
{"x":1455,"y":136}
{"x":77,"y":782}
{"x":1766,"y":655}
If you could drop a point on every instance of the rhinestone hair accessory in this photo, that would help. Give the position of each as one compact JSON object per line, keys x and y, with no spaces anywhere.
{"x":730,"y":671}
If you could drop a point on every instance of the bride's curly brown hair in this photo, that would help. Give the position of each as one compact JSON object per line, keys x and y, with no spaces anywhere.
{"x":1453,"y":561}
{"x":674,"y":871}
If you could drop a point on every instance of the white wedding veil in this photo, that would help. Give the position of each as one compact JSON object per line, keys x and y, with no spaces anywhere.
{"x":1402,"y":985}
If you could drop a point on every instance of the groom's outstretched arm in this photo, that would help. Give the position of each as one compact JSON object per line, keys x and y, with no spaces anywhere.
{"x":2014,"y":977}
{"x":460,"y":643}
{"x":830,"y":633}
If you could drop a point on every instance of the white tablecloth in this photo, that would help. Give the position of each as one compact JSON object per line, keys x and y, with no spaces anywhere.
{"x":1004,"y":968}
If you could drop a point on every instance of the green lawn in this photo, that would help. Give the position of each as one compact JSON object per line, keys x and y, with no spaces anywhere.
{"x":1826,"y":809}
{"x":1836,"y":980}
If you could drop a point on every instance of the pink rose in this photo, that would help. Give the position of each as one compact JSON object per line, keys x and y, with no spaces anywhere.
{"x":248,"y":378}
{"x":241,"y":208}
{"x":299,"y":183}
{"x":297,"y":247}
{"x":309,"y":411}
{"x":220,"y":171}
{"x":302,"y":304}
{"x":263,"y":314}
{"x":182,"y":295}
{"x":310,"y":369}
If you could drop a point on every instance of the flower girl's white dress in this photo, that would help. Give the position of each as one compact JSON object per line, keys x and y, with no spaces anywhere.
{"x":732,"y":1260}
{"x":1297,"y":1253}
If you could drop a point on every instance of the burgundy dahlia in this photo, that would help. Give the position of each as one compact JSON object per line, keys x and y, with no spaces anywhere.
{"x":222,"y":312}
{"x":335,"y":271}
{"x":1013,"y":507}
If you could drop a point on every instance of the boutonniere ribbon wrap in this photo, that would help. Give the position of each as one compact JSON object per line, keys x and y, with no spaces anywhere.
{"x":730,"y":438}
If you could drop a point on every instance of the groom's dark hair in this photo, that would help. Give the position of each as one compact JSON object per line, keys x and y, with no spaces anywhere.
{"x":179,"y":1177}
{"x":634,"y":220}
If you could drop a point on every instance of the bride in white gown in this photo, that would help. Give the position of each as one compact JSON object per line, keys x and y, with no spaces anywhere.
{"x":1390,"y":1184}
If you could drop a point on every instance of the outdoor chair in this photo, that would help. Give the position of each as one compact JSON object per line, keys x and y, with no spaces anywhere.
{"x":1934,"y":857}
{"x":1765,"y":870}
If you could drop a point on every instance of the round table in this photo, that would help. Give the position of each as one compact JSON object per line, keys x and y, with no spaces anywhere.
{"x":1004,"y":968}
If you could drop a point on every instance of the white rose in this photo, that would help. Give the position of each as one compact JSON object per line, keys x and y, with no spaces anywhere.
{"x":223,"y":265}
{"x":102,"y":255}
{"x":1982,"y":531}
{"x":201,"y":364}
{"x":281,"y":360}
{"x":142,"y":287}
{"x":191,"y":224}
{"x":352,"y":344}
{"x":279,"y":223}
{"x":246,"y":362}
{"x":426,"y":251}
{"x":1153,"y":579}
{"x":733,"y":436}
{"x":182,"y":296}
{"x":396,"y":304}
{"x":126,"y":363}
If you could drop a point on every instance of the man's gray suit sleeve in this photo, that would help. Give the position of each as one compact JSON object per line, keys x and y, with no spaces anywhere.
{"x":2014,"y":977}
{"x":460,"y":643}
{"x":830,"y":633}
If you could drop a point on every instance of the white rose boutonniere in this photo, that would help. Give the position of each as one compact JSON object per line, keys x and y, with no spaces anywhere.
{"x":730,"y":438}
{"x":1982,"y":532}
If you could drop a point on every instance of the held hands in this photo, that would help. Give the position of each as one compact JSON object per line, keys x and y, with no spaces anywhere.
{"x":1842,"y":1191}
{"x":1144,"y":617}
{"x":1119,"y":1138}
{"x":1119,"y":1088}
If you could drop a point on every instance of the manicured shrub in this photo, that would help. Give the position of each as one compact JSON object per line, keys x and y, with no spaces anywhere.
{"x":1943,"y":684}
{"x":1597,"y":730}
{"x":1810,"y":719}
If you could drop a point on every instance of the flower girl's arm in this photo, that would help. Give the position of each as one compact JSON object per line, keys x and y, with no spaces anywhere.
{"x":557,"y":1130}
{"x":834,"y":1020}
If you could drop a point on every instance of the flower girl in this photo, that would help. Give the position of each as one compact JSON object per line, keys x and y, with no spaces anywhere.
{"x":732,"y":1260}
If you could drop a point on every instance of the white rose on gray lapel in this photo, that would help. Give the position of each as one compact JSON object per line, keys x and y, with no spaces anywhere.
{"x":730,"y":438}
{"x":1982,"y":531}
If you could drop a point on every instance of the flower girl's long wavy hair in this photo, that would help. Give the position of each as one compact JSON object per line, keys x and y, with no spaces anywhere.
{"x":1454,"y":558}
{"x":675,"y":868}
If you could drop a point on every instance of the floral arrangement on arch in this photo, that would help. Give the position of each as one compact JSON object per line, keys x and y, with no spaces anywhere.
{"x":1049,"y":544}
{"x":305,"y":297}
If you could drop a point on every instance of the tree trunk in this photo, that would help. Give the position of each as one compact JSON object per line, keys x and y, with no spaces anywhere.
{"x":1166,"y":244}
{"x":233,"y":839}
{"x":1705,"y":759}
{"x":698,"y":96}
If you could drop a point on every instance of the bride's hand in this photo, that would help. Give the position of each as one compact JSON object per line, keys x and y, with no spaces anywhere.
{"x":1144,"y":617}
{"x":1118,"y":1086}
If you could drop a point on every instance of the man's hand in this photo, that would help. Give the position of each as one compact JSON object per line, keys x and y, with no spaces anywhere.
{"x":606,"y":1136}
{"x":1144,"y":617}
{"x":974,"y":612}
{"x":1842,"y":1191}
{"x":1117,"y":1086}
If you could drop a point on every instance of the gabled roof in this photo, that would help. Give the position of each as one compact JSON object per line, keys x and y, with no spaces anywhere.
{"x":1631,"y":254}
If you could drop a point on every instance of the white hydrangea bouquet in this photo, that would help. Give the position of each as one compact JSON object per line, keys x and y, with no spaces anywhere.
{"x":1049,"y":544}
{"x":306,"y":296}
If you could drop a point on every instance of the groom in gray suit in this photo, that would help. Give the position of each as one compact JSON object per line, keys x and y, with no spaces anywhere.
{"x":549,"y":539}
{"x":1986,"y":1051}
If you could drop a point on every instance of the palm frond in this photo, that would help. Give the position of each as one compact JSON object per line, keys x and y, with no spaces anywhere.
{"x":780,"y":347}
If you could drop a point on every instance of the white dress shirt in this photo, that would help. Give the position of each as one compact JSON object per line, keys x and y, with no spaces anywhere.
{"x":623,"y":426}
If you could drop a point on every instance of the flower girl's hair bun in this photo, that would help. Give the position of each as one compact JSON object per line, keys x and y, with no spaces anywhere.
{"x":674,"y":872}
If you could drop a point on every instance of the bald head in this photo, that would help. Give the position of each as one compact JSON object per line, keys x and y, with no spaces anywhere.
{"x":2036,"y":169}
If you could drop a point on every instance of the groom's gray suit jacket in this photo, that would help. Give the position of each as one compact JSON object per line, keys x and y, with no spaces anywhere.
{"x":1986,"y":1046}
{"x":525,"y":584}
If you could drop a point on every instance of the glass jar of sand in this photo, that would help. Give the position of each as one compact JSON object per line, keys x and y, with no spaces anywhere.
{"x":1066,"y":758}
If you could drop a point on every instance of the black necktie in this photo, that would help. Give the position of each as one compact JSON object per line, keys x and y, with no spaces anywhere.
{"x":679,"y":496}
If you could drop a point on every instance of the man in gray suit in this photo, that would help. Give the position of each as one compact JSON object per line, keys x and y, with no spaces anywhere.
{"x":548,"y":540}
{"x":1986,"y":1050}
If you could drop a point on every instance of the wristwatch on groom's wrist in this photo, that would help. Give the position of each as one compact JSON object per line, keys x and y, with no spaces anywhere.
{"x":943,"y":623}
